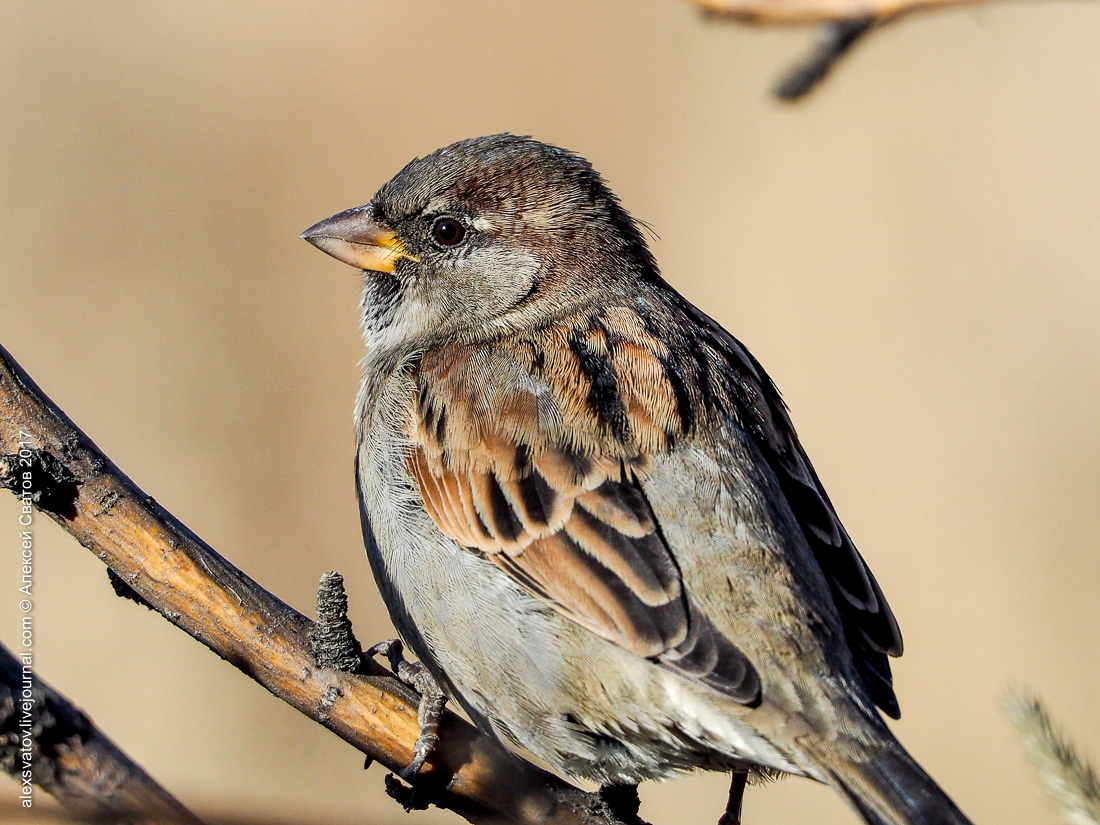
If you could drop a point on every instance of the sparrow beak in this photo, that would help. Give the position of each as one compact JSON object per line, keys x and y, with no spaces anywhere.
{"x":353,"y":237}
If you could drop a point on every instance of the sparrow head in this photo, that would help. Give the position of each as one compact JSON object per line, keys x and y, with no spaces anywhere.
{"x":486,"y":235}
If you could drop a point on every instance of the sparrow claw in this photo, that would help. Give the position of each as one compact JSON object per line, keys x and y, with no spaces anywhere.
{"x":421,"y":751}
{"x":429,"y":713}
{"x":393,"y":650}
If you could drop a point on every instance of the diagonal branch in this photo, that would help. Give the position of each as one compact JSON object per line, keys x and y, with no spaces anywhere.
{"x":46,"y":739}
{"x":841,"y":24}
{"x":834,"y":40}
{"x":45,"y":456}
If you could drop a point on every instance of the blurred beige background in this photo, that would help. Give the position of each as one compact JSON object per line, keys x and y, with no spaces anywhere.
{"x":914,"y":254}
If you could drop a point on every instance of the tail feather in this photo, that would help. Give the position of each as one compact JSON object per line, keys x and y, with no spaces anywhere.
{"x":890,"y":788}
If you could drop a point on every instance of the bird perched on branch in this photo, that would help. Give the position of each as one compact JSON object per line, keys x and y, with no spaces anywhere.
{"x":584,"y":502}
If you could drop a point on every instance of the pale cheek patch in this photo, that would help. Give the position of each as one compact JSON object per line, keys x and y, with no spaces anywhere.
{"x":497,"y":279}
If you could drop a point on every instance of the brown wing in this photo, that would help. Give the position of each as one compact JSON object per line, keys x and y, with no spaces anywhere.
{"x":573,"y":528}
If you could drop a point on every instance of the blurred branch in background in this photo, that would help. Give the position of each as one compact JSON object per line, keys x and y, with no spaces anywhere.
{"x":159,"y":562}
{"x":807,"y":12}
{"x":833,"y":42}
{"x":1069,"y":777}
{"x":71,"y":759}
{"x":842,"y":24}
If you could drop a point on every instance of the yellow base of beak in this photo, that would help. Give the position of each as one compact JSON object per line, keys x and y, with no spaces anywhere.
{"x":355,"y":239}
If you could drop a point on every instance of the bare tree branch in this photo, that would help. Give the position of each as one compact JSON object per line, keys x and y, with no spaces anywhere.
{"x":833,"y":42}
{"x":842,"y":23}
{"x":809,"y":12}
{"x":44,"y":456}
{"x":45,"y":736}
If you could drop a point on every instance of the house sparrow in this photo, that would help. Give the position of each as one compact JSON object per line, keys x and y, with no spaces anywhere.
{"x":584,"y":502}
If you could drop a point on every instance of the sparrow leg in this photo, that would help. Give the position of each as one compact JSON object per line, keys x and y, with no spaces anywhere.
{"x":430,"y":711}
{"x":732,"y":816}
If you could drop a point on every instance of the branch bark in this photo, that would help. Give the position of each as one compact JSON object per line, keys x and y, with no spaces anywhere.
{"x":73,"y":760}
{"x":841,"y":24}
{"x":834,"y":40}
{"x":49,"y":461}
{"x":808,"y":12}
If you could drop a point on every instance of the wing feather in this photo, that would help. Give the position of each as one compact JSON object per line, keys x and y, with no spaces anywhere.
{"x":531,"y":453}
{"x":735,"y":384}
{"x":571,"y":525}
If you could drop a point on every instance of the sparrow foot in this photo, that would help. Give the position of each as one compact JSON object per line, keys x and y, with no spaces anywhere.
{"x":732,"y":816}
{"x":430,"y":711}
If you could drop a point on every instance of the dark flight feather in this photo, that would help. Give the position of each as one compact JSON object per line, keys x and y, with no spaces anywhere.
{"x":728,"y":373}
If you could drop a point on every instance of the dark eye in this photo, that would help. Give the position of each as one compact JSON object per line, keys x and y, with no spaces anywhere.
{"x":448,"y":231}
